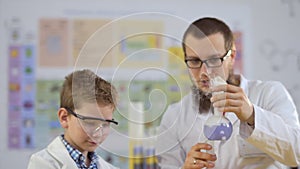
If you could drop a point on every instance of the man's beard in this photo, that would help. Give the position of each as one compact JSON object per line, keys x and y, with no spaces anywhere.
{"x":203,"y":98}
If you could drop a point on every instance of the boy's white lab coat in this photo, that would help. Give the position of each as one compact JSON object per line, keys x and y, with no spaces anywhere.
{"x":56,"y":156}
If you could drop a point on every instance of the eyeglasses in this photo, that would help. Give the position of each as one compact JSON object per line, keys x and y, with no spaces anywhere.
{"x":92,"y":125}
{"x":196,"y":63}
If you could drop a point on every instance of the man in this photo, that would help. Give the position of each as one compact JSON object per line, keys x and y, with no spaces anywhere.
{"x":263,"y":115}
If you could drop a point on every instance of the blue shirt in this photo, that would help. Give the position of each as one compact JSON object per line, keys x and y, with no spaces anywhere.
{"x":79,"y":158}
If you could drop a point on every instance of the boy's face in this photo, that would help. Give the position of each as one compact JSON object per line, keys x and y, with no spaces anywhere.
{"x":86,"y":135}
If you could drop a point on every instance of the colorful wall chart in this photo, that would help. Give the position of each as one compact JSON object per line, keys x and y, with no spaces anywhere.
{"x":21,"y":96}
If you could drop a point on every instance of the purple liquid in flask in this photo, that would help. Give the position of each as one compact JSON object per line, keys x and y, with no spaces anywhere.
{"x":217,"y":127}
{"x":220,"y":131}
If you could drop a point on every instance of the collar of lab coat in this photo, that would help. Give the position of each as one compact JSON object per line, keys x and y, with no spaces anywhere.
{"x":60,"y":153}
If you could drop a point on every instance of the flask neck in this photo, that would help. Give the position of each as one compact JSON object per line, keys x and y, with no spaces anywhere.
{"x":217,"y":113}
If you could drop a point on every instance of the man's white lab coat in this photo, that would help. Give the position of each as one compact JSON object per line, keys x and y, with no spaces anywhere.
{"x":273,"y":143}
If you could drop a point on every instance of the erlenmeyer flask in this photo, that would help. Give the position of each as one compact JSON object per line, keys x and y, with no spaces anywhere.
{"x":217,"y":127}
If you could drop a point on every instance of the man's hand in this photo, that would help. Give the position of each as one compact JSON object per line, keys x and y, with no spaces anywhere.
{"x":233,"y":99}
{"x":197,"y":158}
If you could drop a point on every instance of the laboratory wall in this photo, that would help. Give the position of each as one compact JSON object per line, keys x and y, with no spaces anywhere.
{"x":34,"y":31}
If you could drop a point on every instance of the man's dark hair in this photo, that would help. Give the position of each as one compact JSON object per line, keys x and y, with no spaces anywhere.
{"x":204,"y":27}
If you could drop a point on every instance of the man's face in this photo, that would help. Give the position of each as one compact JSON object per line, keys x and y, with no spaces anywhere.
{"x":81,"y":133}
{"x":209,"y":47}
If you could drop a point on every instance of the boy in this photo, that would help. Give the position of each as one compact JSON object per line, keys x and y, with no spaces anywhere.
{"x":86,"y":106}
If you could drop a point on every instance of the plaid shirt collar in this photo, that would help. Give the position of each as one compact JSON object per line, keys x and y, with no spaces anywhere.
{"x":79,"y":158}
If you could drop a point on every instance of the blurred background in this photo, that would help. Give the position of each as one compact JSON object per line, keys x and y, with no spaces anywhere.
{"x":136,"y":45}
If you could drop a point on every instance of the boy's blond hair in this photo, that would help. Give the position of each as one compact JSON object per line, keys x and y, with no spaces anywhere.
{"x":84,"y":86}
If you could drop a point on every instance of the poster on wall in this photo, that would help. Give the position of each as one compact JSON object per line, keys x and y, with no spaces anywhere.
{"x":47,"y":105}
{"x":21,"y":96}
{"x":238,"y":64}
{"x":84,"y":33}
{"x":54,"y":43}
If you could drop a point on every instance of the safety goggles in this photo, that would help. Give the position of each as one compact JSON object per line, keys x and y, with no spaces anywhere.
{"x":93,"y":126}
